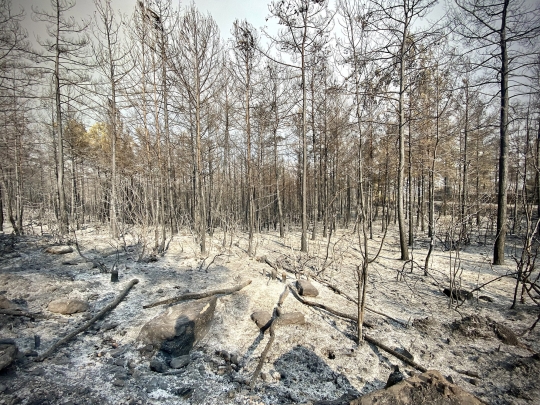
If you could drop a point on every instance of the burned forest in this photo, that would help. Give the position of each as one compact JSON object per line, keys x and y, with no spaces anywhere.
{"x":316,"y":202}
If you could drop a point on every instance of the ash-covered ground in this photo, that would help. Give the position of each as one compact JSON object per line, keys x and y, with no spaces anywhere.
{"x":307,"y":363}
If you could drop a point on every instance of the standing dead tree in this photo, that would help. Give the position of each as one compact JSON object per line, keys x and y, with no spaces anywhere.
{"x":195,"y":61}
{"x":65,"y":50}
{"x":501,"y":35}
{"x":305,"y":23}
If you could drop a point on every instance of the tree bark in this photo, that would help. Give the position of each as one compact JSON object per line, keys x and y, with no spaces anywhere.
{"x":401,"y":146}
{"x":498,"y":252}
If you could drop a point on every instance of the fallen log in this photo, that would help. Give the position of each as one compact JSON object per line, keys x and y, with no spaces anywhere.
{"x":400,"y":356}
{"x":366,"y":337}
{"x":274,"y":322}
{"x":274,"y":272}
{"x":264,"y":259}
{"x":197,"y":296}
{"x":348,"y":297}
{"x":327,"y":309}
{"x":16,"y":312}
{"x":84,"y":327}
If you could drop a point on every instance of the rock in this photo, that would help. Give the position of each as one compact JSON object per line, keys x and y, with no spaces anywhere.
{"x":427,"y":388}
{"x":38,"y":371}
{"x":59,"y":250}
{"x":222,"y":370}
{"x":158,"y":366}
{"x":7,"y":304}
{"x":68,"y":306}
{"x":118,"y":383}
{"x":306,"y":289}
{"x":8,"y":352}
{"x":344,"y":399}
{"x":395,"y":377}
{"x":485,"y":298}
{"x":31,"y":353}
{"x":235,"y":360}
{"x":224,"y":354}
{"x":179,"y":362}
{"x":262,"y":319}
{"x":118,"y":352}
{"x":120,"y":362}
{"x":275,"y":375}
{"x":121,"y":376}
{"x":180,"y":327}
{"x":292,"y":318}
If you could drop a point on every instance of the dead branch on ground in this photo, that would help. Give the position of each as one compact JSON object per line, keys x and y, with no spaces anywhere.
{"x":274,"y":324}
{"x":395,"y":354}
{"x":366,"y":337}
{"x":197,"y":296}
{"x":17,"y":312}
{"x":84,"y":327}
{"x":264,"y":259}
{"x":326,"y":308}
{"x":351,"y":299}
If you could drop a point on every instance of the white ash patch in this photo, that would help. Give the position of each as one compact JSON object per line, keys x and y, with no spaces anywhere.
{"x":315,"y":361}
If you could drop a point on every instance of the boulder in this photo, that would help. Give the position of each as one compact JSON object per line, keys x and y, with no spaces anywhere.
{"x":59,"y":250}
{"x":8,"y":352}
{"x":177,"y":330}
{"x":66,"y":306}
{"x":426,"y":388}
{"x":263,"y":319}
{"x":292,"y":318}
{"x":306,"y":289}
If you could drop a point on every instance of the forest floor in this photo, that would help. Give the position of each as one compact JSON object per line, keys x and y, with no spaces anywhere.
{"x":319,"y":360}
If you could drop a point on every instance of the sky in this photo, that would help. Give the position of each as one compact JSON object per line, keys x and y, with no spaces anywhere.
{"x":224,"y":12}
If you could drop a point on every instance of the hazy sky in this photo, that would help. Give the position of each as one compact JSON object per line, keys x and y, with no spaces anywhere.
{"x":224,"y":12}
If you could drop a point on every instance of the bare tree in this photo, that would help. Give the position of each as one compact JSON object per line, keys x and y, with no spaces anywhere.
{"x":306,"y":24}
{"x":113,"y":62}
{"x":245,"y":60}
{"x":396,"y":18}
{"x":195,"y":62}
{"x":65,"y":49}
{"x":501,"y":36}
